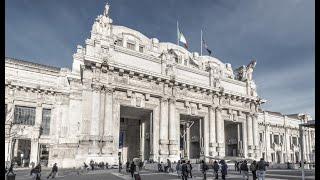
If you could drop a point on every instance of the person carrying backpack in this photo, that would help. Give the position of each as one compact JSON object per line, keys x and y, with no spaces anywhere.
{"x":261,"y":169}
{"x":253,"y":170}
{"x":215,"y":169}
{"x":245,"y":170}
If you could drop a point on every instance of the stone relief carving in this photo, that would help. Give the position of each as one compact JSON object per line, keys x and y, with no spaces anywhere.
{"x":216,"y":82}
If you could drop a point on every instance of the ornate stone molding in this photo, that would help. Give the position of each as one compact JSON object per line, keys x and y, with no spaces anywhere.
{"x":163,"y":99}
{"x":172,"y":101}
{"x":96,"y":87}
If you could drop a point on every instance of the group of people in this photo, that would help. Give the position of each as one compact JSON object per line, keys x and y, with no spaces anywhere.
{"x":166,"y":167}
{"x":258,"y":169}
{"x":94,"y":165}
{"x":36,"y":172}
{"x":184,"y":170}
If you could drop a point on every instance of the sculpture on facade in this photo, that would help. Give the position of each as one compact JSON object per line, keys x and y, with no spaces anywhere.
{"x":245,"y":72}
{"x":102,"y":24}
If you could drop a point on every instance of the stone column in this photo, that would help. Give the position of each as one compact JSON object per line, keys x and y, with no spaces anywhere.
{"x":255,"y":133}
{"x":287,"y":143}
{"x":108,"y":124}
{"x":115,"y":126}
{"x":34,"y":152}
{"x":244,"y":139}
{"x":306,"y":144}
{"x":102,"y":107}
{"x":142,"y":141}
{"x":164,"y":141}
{"x":212,"y":131}
{"x":95,"y":122}
{"x":250,"y":135}
{"x":173,"y":141}
{"x":220,"y":132}
{"x":8,"y":137}
{"x":206,"y":135}
{"x":155,"y":133}
{"x":267,"y":142}
{"x":178,"y":132}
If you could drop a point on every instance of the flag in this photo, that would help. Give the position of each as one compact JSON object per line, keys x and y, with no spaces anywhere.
{"x":205,"y":46}
{"x":182,"y":38}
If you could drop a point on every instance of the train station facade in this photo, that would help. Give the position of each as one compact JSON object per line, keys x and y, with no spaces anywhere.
{"x":146,"y":99}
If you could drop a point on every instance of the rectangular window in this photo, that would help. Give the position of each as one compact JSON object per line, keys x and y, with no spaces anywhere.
{"x":272,"y":157}
{"x":295,"y":141}
{"x":131,"y":46}
{"x":141,"y":49}
{"x":176,"y":59}
{"x":281,"y":139}
{"x":24,"y":115}
{"x":276,"y":139}
{"x":271,"y":141}
{"x":261,"y":137}
{"x":119,"y":42}
{"x":46,"y":117}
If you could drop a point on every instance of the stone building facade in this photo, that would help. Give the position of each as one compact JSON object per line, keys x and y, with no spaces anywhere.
{"x":144,"y":98}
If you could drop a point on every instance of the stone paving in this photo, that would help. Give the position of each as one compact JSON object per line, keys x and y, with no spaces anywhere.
{"x":113,"y":174}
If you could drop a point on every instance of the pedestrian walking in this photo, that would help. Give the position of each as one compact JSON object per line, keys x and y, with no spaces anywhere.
{"x":245,"y":170}
{"x":178,"y":168}
{"x":107,"y":165}
{"x":224,"y":169}
{"x":35,"y":172}
{"x":85,"y":167}
{"x":128,"y":166}
{"x":204,"y":169}
{"x":140,"y":165}
{"x":215,"y":170}
{"x":160,"y":167}
{"x":169,"y":166}
{"x":261,"y":169}
{"x":253,"y":169}
{"x":184,"y":170}
{"x":54,"y":171}
{"x":235,"y":166}
{"x":189,"y":169}
{"x":239,"y":164}
{"x":132,"y":168}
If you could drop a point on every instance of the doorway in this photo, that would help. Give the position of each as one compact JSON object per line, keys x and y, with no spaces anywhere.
{"x":233,"y":135}
{"x":135,"y":129}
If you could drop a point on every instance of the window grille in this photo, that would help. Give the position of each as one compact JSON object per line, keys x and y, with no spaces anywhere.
{"x":24,"y":115}
{"x":46,"y":117}
{"x":131,"y":46}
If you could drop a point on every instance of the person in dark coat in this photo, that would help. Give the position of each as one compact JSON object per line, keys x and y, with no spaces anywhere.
{"x":189,"y":168}
{"x":245,"y":170}
{"x":128,"y":166}
{"x":54,"y":171}
{"x":253,"y":169}
{"x":215,"y":169}
{"x":224,"y":169}
{"x":205,"y":168}
{"x":35,"y":172}
{"x":132,"y":168}
{"x":184,"y":170}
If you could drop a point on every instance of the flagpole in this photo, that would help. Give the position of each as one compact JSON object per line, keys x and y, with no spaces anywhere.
{"x":201,"y":42}
{"x":178,"y":33}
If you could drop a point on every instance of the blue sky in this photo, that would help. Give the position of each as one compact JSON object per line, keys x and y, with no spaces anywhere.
{"x":280,"y":35}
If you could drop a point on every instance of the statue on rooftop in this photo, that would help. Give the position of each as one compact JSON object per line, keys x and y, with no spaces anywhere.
{"x":245,"y":72}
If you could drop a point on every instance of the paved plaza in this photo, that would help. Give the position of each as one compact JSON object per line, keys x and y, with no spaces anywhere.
{"x":113,"y":174}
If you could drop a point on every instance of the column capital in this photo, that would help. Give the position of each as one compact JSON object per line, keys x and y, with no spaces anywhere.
{"x":163,"y":99}
{"x":172,"y":100}
{"x":219,"y":108}
{"x":96,"y":87}
{"x":212,"y":107}
{"x":108,"y":90}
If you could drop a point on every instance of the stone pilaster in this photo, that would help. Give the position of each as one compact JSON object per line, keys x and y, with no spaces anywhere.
{"x":102,"y":107}
{"x":206,"y":135}
{"x":212,"y":131}
{"x":95,"y":120}
{"x":244,"y":139}
{"x":164,"y":141}
{"x":108,"y":123}
{"x":287,"y":143}
{"x":220,"y":132}
{"x":249,"y":135}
